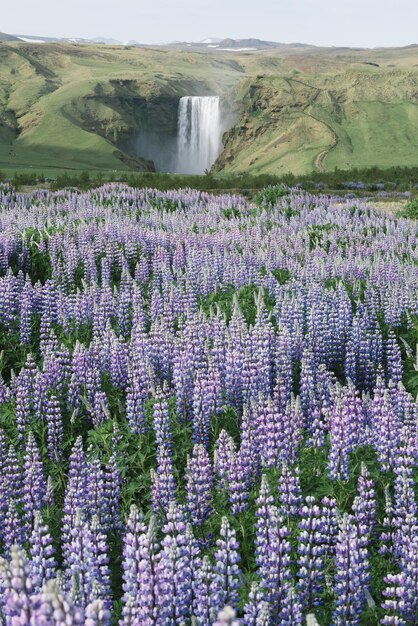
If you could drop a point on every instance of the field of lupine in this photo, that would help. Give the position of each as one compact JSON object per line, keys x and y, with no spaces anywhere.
{"x":207,"y":410}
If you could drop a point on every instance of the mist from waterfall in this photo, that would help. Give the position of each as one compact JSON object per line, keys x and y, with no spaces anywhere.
{"x":199,"y":134}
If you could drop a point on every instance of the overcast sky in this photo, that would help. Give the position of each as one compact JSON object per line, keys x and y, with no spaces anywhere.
{"x":367,"y":23}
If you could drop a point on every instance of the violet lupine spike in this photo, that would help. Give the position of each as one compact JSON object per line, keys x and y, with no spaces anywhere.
{"x":96,"y":492}
{"x":347,"y":423}
{"x":100,"y":558}
{"x":97,"y":614}
{"x":272,"y":549}
{"x":163,"y":482}
{"x":365,"y":505}
{"x":330,"y":517}
{"x":405,"y":504}
{"x":226,"y":571}
{"x":15,"y":529}
{"x":42,"y":554}
{"x":401,"y":594}
{"x":268,"y":431}
{"x":204,"y":404}
{"x":237,"y":483}
{"x":351,"y":574}
{"x":199,"y":484}
{"x":135,"y":528}
{"x":11,"y":481}
{"x":248,"y":448}
{"x":76,"y":490}
{"x":291,"y":613}
{"x":257,"y":611}
{"x":202,"y":594}
{"x":162,"y":422}
{"x":311,"y":553}
{"x":137,"y":393}
{"x":17,"y":589}
{"x":55,"y":608}
{"x":174,"y":576}
{"x":86,"y":562}
{"x":139,"y":603}
{"x":225,"y":448}
{"x":226,"y":617}
{"x":34,"y":483}
{"x":386,"y":428}
{"x":53,"y":418}
{"x":393,"y":359}
{"x":290,"y":495}
{"x":387,"y":535}
{"x":113,"y":491}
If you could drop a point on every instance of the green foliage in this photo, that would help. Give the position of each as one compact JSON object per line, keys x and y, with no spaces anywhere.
{"x":245,"y":298}
{"x":411,"y":209}
{"x":269,"y":196}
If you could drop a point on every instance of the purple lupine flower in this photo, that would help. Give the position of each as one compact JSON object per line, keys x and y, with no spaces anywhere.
{"x":17,"y":588}
{"x":54,"y":608}
{"x":11,"y":480}
{"x":364,"y":506}
{"x":256,"y":610}
{"x":162,"y":424}
{"x":199,"y":484}
{"x":42,"y":553}
{"x":137,"y":391}
{"x":405,"y":504}
{"x":401,"y":593}
{"x":202,"y":594}
{"x":291,"y":613}
{"x":351,"y":574}
{"x":97,"y":614}
{"x":347,"y":424}
{"x":204,"y":403}
{"x":237,"y":484}
{"x":135,"y":527}
{"x":250,"y":457}
{"x":174,"y":576}
{"x":290,"y":495}
{"x":86,"y":562}
{"x":26,"y":306}
{"x":330,"y":516}
{"x":226,"y":571}
{"x":15,"y":529}
{"x":96,"y":492}
{"x":311,"y":551}
{"x":163,"y":482}
{"x":226,"y":617}
{"x":386,"y":428}
{"x":393,"y":359}
{"x":386,"y":536}
{"x":34,"y":483}
{"x":268,"y":431}
{"x":272,"y":549}
{"x":76,"y":491}
{"x":53,"y":418}
{"x":25,"y":395}
{"x":139,"y":571}
{"x":225,"y":448}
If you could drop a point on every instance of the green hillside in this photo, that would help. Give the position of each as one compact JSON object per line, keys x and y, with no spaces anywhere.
{"x":77,"y":107}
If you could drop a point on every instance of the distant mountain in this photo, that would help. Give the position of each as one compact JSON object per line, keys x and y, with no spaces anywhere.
{"x":210,"y":43}
{"x":247,"y":43}
{"x":40,"y":39}
{"x":6,"y":37}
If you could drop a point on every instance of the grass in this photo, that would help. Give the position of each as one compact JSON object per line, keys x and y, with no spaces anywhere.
{"x":71,"y":107}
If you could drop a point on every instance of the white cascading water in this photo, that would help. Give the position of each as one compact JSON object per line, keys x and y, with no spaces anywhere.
{"x":199,"y":133}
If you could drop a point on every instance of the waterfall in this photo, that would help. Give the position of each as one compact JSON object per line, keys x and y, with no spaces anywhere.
{"x":199,"y":133}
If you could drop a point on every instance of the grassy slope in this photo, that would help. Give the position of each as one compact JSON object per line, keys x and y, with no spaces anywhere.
{"x":315,"y":110}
